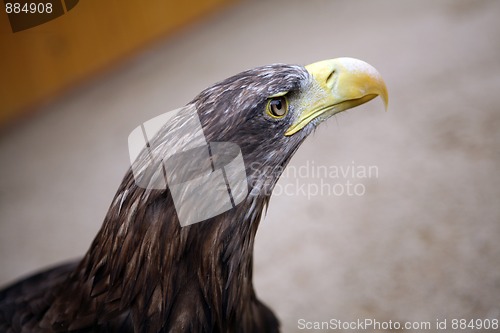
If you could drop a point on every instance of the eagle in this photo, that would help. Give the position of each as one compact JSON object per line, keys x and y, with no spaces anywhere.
{"x":146,"y":270}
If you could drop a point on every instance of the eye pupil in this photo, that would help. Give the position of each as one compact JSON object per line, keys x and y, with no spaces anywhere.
{"x":277,"y":107}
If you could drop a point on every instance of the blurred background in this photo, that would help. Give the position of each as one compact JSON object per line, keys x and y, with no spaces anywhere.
{"x":422,"y":241}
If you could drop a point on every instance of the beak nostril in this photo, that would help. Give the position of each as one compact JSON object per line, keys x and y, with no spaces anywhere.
{"x":339,"y":84}
{"x":330,"y":79}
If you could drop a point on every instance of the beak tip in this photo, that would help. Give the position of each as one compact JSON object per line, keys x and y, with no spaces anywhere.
{"x":355,"y":82}
{"x":385,"y":98}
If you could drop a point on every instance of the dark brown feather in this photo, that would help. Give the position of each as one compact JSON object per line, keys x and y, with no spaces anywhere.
{"x":146,"y":273}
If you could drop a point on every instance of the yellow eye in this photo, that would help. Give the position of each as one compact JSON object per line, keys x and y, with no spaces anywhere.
{"x":277,"y":107}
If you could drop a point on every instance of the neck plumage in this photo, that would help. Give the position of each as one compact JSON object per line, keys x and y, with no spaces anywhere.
{"x":143,"y":267}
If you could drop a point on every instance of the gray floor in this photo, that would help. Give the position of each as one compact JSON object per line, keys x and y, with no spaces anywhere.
{"x":421,"y":243}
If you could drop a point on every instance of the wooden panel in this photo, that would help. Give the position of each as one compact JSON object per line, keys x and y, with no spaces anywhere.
{"x":38,"y":63}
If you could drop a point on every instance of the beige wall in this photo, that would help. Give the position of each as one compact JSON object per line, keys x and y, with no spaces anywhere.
{"x":39,"y":63}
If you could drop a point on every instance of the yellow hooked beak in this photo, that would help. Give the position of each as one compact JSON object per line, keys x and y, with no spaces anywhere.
{"x":338,"y":84}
